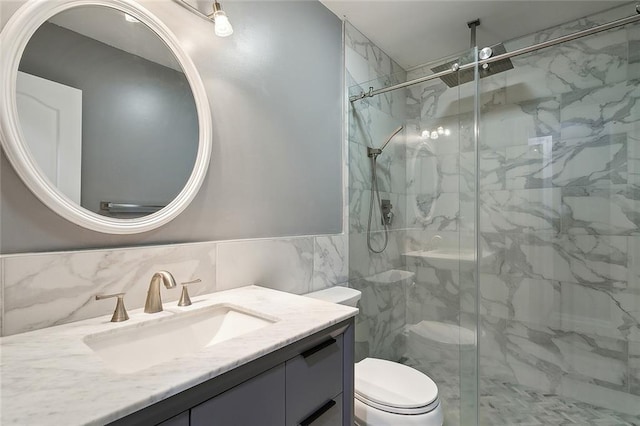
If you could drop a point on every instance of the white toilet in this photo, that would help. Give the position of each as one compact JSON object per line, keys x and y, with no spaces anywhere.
{"x":388,"y":393}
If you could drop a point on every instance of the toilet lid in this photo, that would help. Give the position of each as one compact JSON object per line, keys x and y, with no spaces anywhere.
{"x":393,"y":385}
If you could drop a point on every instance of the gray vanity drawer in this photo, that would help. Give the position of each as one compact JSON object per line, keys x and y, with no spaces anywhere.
{"x":258,"y":401}
{"x":313,"y":378}
{"x":328,"y":415}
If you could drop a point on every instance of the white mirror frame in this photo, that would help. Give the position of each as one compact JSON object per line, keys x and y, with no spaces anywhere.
{"x":13,"y":40}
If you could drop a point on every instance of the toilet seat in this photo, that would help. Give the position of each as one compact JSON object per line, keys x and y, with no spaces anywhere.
{"x":394,"y":388}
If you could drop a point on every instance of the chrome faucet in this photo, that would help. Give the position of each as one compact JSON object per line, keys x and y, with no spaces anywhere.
{"x":154,"y":301}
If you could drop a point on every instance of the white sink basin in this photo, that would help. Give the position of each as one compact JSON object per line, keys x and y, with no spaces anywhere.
{"x":139,"y":346}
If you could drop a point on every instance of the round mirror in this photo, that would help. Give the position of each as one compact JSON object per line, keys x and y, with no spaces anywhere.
{"x":103,"y":115}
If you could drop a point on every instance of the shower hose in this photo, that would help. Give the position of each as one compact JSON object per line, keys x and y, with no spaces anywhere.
{"x":376,"y":192}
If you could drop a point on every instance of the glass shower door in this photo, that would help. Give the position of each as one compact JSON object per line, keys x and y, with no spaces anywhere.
{"x":418,"y":302}
{"x":560,"y":213}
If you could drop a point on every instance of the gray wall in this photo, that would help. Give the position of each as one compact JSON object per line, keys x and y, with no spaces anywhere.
{"x":275,"y":92}
{"x":139,"y":152}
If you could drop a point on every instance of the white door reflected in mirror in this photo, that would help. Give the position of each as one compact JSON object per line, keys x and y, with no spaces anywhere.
{"x":51,"y":120}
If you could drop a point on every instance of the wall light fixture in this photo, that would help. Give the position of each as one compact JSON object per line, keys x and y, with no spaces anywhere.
{"x":223,"y":27}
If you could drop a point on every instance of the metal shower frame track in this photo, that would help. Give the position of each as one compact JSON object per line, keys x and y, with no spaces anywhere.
{"x":456,"y":67}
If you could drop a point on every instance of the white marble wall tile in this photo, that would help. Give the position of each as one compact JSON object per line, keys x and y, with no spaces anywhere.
{"x":597,"y":162}
{"x":520,"y":353}
{"x":382,"y":71}
{"x":42,"y":290}
{"x":594,"y":359}
{"x":390,"y":168}
{"x":435,"y":296}
{"x":431,"y":173}
{"x":633,"y":70}
{"x":633,"y":154}
{"x":431,"y":100}
{"x":363,"y":263}
{"x":330,"y":261}
{"x":611,"y":211}
{"x":594,"y":310}
{"x":356,"y":65}
{"x":359,"y":207}
{"x":516,"y":124}
{"x":382,"y":316}
{"x":588,"y":62}
{"x":634,"y":368}
{"x":360,"y":167}
{"x":521,"y":299}
{"x":634,"y":264}
{"x":282,"y":264}
{"x":530,"y":166}
{"x":524,"y":211}
{"x":586,"y":259}
{"x":467,"y":215}
{"x":492,"y":170}
{"x":604,"y":110}
{"x":1,"y":293}
{"x":437,"y":212}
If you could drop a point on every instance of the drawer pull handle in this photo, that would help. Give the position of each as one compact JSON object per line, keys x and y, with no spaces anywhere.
{"x":318,"y":413}
{"x":318,"y":348}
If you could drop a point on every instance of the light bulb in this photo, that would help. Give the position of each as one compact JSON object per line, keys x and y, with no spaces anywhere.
{"x":440,"y":130}
{"x":223,"y":26}
{"x":447,"y":132}
{"x":425,"y":134}
{"x":434,"y":135}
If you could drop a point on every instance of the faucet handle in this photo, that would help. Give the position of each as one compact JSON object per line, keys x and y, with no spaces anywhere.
{"x":120,"y":313}
{"x":185,"y":300}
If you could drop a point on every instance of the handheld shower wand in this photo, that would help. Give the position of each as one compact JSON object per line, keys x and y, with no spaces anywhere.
{"x":373,"y":153}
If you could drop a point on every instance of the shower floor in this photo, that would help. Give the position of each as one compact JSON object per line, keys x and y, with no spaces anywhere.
{"x":503,"y":404}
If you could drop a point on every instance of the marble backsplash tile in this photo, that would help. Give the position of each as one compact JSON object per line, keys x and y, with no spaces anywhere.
{"x":47,"y":289}
{"x":330,"y":262}
{"x":282,"y":264}
{"x":42,"y":290}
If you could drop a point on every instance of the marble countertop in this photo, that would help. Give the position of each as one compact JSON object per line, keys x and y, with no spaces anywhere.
{"x":51,"y":377}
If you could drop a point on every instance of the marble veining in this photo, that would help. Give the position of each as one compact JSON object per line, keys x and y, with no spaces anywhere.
{"x":41,"y":290}
{"x":45,"y":373}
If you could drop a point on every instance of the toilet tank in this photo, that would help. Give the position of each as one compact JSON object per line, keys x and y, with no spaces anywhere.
{"x":341,"y":295}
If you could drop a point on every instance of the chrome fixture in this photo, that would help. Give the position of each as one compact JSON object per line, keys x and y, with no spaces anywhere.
{"x":154,"y":301}
{"x":467,"y":75}
{"x":385,"y":210}
{"x":524,"y":50}
{"x":223,"y":27}
{"x":120,"y":313}
{"x":185,"y":300}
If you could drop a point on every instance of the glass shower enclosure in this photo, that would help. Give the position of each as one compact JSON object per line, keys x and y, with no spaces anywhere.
{"x":511,"y":271}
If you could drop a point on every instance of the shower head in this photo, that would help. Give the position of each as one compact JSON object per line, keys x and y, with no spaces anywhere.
{"x":374,"y":152}
{"x":395,"y":132}
{"x":465,"y":76}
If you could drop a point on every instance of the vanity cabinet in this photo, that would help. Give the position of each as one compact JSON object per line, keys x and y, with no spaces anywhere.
{"x":257,"y":401}
{"x":308,"y":383}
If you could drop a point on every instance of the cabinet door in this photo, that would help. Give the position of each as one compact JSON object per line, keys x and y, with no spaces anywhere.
{"x":181,"y":419}
{"x":258,"y":401}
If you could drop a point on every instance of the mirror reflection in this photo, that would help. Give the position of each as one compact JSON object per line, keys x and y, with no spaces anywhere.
{"x":107,"y":112}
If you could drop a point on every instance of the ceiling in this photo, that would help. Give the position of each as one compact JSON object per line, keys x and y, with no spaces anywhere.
{"x":421,"y":31}
{"x":109,"y":26}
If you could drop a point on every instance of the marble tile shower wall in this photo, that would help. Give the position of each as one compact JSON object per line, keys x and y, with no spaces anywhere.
{"x":560,"y":213}
{"x":371,"y":121}
{"x":47,"y":289}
